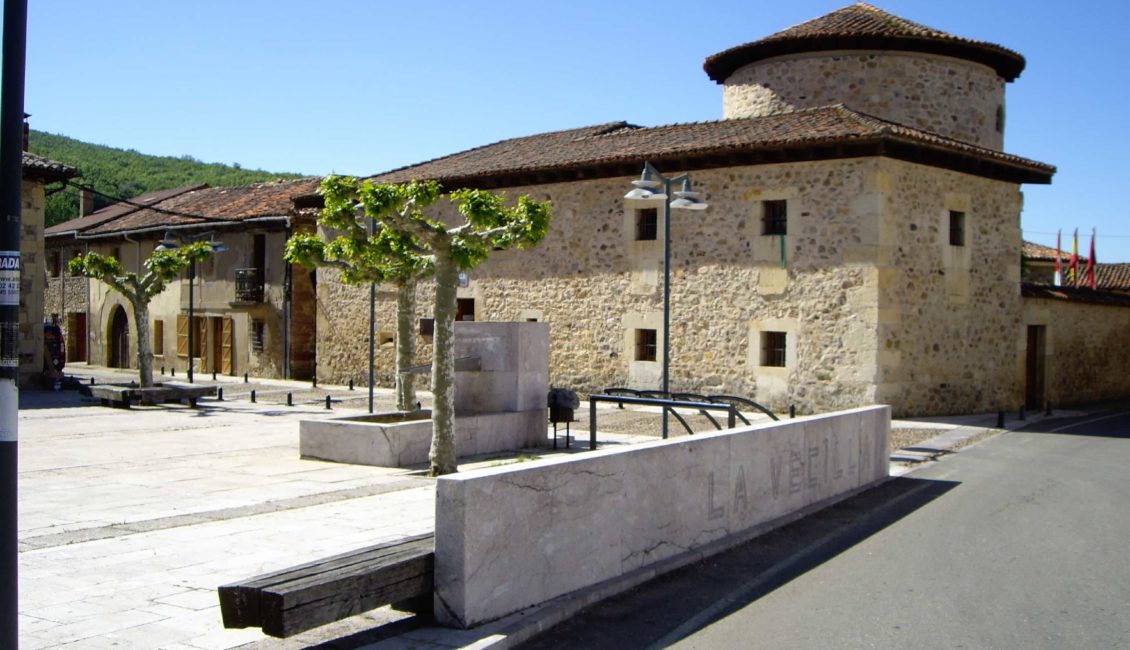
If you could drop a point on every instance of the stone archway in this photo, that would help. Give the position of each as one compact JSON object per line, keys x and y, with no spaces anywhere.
{"x":119,"y":339}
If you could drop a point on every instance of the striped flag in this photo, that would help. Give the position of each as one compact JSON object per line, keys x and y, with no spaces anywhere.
{"x":1091,"y":262}
{"x":1058,"y":264}
{"x":1073,"y":265}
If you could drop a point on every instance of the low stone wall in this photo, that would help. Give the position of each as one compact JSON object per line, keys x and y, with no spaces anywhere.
{"x":367,"y":440}
{"x":514,"y":536}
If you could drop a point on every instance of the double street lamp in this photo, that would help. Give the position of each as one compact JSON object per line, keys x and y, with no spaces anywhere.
{"x":173,"y":241}
{"x":652,"y":190}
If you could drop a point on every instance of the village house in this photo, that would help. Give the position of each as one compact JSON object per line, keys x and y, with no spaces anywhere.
{"x":38,"y":172}
{"x":251,"y":311}
{"x":860,"y":246}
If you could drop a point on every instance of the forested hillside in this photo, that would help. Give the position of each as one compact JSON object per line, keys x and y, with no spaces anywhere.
{"x":125,"y":173}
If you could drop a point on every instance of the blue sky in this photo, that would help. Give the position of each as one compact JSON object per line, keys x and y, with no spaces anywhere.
{"x":360,"y":87}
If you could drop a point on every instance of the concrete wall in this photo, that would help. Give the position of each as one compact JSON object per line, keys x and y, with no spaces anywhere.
{"x":943,"y":95}
{"x":513,"y":536}
{"x":1086,"y":351}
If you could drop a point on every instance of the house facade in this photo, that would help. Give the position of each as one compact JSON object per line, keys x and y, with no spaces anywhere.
{"x":860,"y":244}
{"x":38,"y":172}
{"x":251,"y":312}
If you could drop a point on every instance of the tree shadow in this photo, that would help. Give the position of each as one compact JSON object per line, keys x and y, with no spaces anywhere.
{"x":679,"y":603}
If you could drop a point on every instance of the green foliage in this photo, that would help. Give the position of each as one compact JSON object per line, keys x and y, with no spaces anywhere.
{"x":127,"y":173}
{"x":161,"y":268}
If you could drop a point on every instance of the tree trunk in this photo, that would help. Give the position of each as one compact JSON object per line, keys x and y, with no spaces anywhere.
{"x":405,"y":344}
{"x":144,"y":343}
{"x":442,"y":453}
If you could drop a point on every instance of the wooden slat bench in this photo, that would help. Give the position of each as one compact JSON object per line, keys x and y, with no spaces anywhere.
{"x":122,"y":396}
{"x":297,"y":599}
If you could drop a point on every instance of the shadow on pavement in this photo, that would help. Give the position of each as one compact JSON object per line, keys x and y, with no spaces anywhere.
{"x":673,"y":606}
{"x":1107,"y":420}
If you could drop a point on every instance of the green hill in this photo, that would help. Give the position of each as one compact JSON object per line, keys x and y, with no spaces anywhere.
{"x":125,"y":173}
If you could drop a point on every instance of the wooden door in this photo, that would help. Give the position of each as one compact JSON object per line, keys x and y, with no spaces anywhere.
{"x":76,"y":336}
{"x":226,"y":365}
{"x":1034,"y":368}
{"x":119,"y":339}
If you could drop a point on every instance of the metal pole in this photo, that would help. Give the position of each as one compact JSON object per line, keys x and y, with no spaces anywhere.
{"x":372,"y":337}
{"x":191,"y":320}
{"x":11,"y":183}
{"x":666,"y":296}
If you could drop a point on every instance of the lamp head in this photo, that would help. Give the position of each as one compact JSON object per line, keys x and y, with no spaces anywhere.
{"x":646,"y":192}
{"x":687,"y":199}
{"x":169,"y":242}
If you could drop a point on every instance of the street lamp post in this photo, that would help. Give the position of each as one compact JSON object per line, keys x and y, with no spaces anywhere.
{"x":172,"y":241}
{"x":645,"y":194}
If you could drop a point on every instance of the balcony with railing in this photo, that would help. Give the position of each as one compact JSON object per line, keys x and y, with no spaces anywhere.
{"x":248,"y":286}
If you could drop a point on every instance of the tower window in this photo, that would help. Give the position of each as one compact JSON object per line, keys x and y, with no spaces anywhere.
{"x":773,"y":346}
{"x":774,"y":217}
{"x":645,"y":345}
{"x":957,"y":228}
{"x":647,"y":224}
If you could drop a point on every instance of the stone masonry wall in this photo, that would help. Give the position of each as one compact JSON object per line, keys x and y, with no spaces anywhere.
{"x":594,"y":285}
{"x":1086,"y":350}
{"x":949,"y":315}
{"x":948,"y":96}
{"x":32,"y":281}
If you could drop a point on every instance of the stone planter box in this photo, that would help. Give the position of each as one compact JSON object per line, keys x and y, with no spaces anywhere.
{"x":400,"y":439}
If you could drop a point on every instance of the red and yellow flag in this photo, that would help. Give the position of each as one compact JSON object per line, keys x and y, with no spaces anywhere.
{"x":1091,"y":262}
{"x":1073,"y":265}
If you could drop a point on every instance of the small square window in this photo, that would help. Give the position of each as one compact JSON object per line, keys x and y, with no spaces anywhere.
{"x":647,"y":224}
{"x":774,"y":217}
{"x":773,"y":345}
{"x":427,"y":326}
{"x":957,"y":228}
{"x":465,"y":309}
{"x":645,"y":345}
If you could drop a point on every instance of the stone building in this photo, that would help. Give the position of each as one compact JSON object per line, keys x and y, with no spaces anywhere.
{"x":860,"y":244}
{"x":251,"y":311}
{"x":37,"y":173}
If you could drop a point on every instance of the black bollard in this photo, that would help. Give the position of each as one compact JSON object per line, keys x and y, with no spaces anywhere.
{"x":1021,"y":411}
{"x":1000,"y":419}
{"x":252,"y":396}
{"x":327,"y":402}
{"x":792,"y":410}
{"x":92,"y":381}
{"x":172,"y":372}
{"x":350,"y":384}
{"x":245,"y":377}
{"x":162,"y":370}
{"x":314,"y":382}
{"x":1048,"y":410}
{"x":220,"y":394}
{"x":290,"y":399}
{"x":213,"y":375}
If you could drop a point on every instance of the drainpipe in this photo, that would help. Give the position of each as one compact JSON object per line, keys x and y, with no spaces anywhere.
{"x":287,"y":278}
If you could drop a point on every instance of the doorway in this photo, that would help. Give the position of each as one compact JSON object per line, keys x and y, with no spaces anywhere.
{"x":76,"y":336}
{"x":222,"y":346}
{"x":1035,"y":371}
{"x":119,"y":339}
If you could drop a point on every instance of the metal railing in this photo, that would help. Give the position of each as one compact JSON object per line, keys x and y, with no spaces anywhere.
{"x":668,"y":405}
{"x":248,"y":285}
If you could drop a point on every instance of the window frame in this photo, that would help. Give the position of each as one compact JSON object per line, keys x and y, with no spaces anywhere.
{"x":647,"y":344}
{"x":774,"y":349}
{"x":647,"y":224}
{"x":957,"y":226}
{"x":775,"y":217}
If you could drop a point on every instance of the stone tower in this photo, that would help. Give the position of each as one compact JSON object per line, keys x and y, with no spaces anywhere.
{"x":876,"y":63}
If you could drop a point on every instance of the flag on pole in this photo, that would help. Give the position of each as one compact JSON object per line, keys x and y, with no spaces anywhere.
{"x":1091,"y":262}
{"x":1058,"y":264}
{"x":1073,"y":265}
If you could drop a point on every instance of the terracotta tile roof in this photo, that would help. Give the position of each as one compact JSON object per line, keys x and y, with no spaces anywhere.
{"x":619,"y":148}
{"x":211,"y":205}
{"x":1072,"y":294}
{"x":115,"y":211}
{"x":864,"y":27}
{"x":1113,"y":277}
{"x":45,"y":169}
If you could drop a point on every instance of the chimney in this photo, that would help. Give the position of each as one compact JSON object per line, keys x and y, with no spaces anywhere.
{"x":85,"y":202}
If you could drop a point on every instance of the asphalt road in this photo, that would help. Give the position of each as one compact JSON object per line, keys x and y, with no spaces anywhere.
{"x":1018,"y":542}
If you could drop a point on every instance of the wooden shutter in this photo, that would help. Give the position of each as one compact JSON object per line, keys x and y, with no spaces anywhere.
{"x":226,"y":343}
{"x":182,"y":335}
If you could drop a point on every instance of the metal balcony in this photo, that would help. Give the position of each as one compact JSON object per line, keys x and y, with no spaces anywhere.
{"x":248,"y":286}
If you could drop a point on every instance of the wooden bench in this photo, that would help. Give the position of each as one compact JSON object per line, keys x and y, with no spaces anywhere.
{"x":297,"y":599}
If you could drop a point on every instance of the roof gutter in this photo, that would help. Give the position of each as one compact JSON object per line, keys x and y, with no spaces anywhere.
{"x":207,"y":225}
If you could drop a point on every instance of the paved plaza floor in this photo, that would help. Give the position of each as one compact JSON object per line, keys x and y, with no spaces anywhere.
{"x":130,"y":519}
